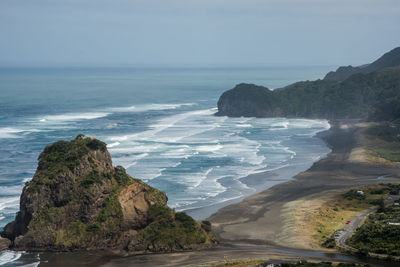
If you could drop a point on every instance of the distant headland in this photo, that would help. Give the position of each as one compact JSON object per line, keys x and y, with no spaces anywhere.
{"x":368,"y":92}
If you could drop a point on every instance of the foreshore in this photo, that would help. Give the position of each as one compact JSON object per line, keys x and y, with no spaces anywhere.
{"x":262,"y":218}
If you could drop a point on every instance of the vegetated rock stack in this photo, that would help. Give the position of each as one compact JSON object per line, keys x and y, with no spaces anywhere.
{"x":78,"y":201}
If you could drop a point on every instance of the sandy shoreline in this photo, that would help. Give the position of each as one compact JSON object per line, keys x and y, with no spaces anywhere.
{"x":260,"y":219}
{"x":264,"y":179}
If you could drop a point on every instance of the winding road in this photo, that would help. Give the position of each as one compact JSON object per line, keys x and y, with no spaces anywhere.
{"x":348,"y":230}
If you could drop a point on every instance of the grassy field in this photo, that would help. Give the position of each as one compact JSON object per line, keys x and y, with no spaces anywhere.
{"x":334,"y":214}
{"x":389,"y":153}
{"x":312,"y":221}
{"x":384,"y":141}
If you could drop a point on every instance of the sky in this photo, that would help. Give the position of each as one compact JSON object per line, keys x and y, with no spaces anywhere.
{"x":196,"y":32}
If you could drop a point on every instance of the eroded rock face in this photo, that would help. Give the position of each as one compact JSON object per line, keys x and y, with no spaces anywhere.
{"x":135,"y":205}
{"x":4,"y":243}
{"x":78,"y":201}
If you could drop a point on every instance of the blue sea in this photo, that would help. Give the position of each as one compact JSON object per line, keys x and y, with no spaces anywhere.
{"x":158,"y":123}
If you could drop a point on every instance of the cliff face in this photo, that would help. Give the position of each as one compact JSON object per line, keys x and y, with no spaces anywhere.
{"x":78,"y":201}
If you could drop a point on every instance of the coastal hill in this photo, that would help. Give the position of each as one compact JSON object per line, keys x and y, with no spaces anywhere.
{"x":78,"y":201}
{"x":390,"y":59}
{"x":374,"y":95}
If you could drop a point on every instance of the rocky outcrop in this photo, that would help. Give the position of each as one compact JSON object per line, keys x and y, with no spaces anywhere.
{"x":246,"y":100}
{"x":78,"y":201}
{"x":4,"y":243}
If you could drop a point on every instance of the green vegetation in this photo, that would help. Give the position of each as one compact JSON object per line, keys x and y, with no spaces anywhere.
{"x":206,"y":225}
{"x":388,"y":136}
{"x":121,"y":176}
{"x":110,"y":216}
{"x":108,"y":220}
{"x":72,"y":235}
{"x":386,"y":131}
{"x":334,"y":214}
{"x":352,"y":194}
{"x":95,"y":144}
{"x":329,"y":242}
{"x":390,"y":59}
{"x":62,"y":157}
{"x":63,"y":153}
{"x":94,"y":177}
{"x":374,"y":95}
{"x":155,"y":196}
{"x":377,"y":235}
{"x":168,"y":229}
{"x":391,"y":154}
{"x":73,"y":203}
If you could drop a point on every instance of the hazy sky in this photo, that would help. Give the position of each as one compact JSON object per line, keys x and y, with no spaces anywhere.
{"x":197,"y":32}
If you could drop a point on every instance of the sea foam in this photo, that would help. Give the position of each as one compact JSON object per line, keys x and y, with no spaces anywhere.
{"x":9,"y":132}
{"x":68,"y":117}
{"x":9,"y":256}
{"x":149,"y":107}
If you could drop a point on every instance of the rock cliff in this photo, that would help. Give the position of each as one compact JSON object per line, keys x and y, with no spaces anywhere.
{"x":78,"y":201}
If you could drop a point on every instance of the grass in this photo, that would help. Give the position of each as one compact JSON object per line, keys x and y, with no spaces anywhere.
{"x":334,"y":214}
{"x":385,"y":141}
{"x":389,"y":153}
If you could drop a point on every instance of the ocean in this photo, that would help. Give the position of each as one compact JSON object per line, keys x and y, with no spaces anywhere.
{"x":158,"y":123}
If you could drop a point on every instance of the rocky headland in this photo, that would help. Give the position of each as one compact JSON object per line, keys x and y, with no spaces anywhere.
{"x":370,"y":92}
{"x":77,"y":200}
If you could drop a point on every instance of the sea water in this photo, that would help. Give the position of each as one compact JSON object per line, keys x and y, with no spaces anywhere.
{"x":159,"y":124}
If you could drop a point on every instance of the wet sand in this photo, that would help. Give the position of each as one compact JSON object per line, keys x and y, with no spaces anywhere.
{"x":189,"y":258}
{"x":259,"y":219}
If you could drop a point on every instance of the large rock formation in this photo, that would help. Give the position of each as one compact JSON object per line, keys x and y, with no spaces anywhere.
{"x":248,"y":100}
{"x":373,"y":96}
{"x":78,"y":201}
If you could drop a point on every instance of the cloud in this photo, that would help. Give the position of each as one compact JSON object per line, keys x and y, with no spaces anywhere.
{"x":196,"y":31}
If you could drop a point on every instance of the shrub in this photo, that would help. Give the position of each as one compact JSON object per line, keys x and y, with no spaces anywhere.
{"x":94,"y":228}
{"x":329,"y":243}
{"x":186,"y":221}
{"x":160,"y":213}
{"x":95,"y":144}
{"x":377,"y":192}
{"x":92,"y":178}
{"x":121,"y":176}
{"x":352,"y":194}
{"x":206,"y":225}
